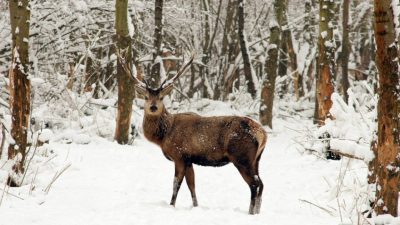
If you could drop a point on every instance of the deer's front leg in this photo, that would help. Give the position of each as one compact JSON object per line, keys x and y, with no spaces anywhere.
{"x":189,"y":176}
{"x":179,"y":174}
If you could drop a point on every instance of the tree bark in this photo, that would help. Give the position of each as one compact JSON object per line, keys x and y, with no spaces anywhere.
{"x":271,"y":66}
{"x":248,"y":73}
{"x":20,"y":88}
{"x":229,"y":50}
{"x":388,"y":149}
{"x":326,"y":61}
{"x":345,"y":49}
{"x":204,"y":72}
{"x":155,"y":76}
{"x":281,"y":17}
{"x":126,"y":92}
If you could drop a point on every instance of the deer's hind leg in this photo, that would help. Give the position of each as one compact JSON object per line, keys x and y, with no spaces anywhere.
{"x":243,"y":154}
{"x":189,"y":176}
{"x":255,"y":184}
{"x":259,"y":191}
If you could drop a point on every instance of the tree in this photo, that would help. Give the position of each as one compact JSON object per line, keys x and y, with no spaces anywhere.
{"x":271,"y":66}
{"x":326,"y":60}
{"x":385,"y":166}
{"x":126,"y":92}
{"x":345,"y":49}
{"x":229,"y":49}
{"x":281,"y":18}
{"x":248,"y":73}
{"x":20,"y":88}
{"x":158,"y":39}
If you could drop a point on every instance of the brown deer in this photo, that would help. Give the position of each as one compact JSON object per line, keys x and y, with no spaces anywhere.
{"x":187,"y":139}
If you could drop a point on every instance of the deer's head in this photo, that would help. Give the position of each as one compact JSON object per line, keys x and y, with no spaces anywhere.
{"x":154,"y":97}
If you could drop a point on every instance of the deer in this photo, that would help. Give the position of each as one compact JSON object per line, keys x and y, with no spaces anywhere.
{"x":188,"y":138}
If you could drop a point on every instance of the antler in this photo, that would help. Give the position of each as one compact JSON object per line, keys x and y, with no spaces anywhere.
{"x":128,"y":69}
{"x":168,"y":82}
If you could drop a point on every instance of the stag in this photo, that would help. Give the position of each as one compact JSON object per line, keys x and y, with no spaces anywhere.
{"x":188,"y":138}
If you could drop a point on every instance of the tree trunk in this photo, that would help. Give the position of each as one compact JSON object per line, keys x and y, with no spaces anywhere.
{"x":271,"y":66}
{"x":298,"y":79}
{"x":326,"y":61}
{"x":20,"y":88}
{"x":281,"y":17}
{"x":388,"y":149}
{"x":309,"y":34}
{"x":248,"y":73}
{"x":155,"y":76}
{"x":345,"y":49}
{"x":229,"y":50}
{"x":126,"y":92}
{"x":204,"y":72}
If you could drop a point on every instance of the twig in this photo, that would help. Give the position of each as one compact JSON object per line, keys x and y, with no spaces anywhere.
{"x":3,"y":138}
{"x":6,"y":191}
{"x":33,"y":180}
{"x":56,"y":176}
{"x":346,"y":154}
{"x":319,"y":207}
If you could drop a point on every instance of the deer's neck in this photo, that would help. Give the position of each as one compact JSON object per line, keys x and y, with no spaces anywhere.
{"x":155,"y":128}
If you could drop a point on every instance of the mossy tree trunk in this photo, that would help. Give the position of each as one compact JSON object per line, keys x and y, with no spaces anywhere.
{"x":155,"y":76}
{"x":345,"y":49}
{"x":126,"y":92}
{"x":248,"y":73}
{"x":271,"y":70}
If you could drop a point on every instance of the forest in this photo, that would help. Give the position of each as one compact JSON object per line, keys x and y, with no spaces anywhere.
{"x":107,"y":106}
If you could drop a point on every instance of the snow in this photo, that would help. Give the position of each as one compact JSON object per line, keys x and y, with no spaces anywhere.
{"x":113,"y":184}
{"x":386,"y":220}
{"x":131,"y":28}
{"x":324,"y":34}
{"x":107,"y":183}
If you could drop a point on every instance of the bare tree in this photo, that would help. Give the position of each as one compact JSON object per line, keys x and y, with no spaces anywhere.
{"x":248,"y":73}
{"x":126,"y":92}
{"x":345,"y":50}
{"x":326,"y":60}
{"x":385,"y":166}
{"x":20,"y":87}
{"x":155,"y":76}
{"x":271,"y":67}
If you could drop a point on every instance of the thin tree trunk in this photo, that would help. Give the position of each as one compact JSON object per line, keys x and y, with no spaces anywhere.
{"x":204,"y":72}
{"x":155,"y":76}
{"x":229,"y":50}
{"x":326,"y":61}
{"x":280,"y":11}
{"x":248,"y":73}
{"x":345,"y":50}
{"x":298,"y":79}
{"x":20,"y":88}
{"x":126,"y":92}
{"x":271,"y":66}
{"x":388,"y":148}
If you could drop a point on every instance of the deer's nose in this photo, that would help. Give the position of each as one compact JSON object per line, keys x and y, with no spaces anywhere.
{"x":153,"y":108}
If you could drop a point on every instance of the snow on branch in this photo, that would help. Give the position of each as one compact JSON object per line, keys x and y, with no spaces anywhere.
{"x":351,"y":131}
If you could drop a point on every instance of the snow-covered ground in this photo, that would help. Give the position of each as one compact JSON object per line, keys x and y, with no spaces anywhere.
{"x":112,"y":184}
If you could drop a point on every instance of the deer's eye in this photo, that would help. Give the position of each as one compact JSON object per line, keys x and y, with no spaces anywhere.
{"x":161,"y":98}
{"x":146,"y":98}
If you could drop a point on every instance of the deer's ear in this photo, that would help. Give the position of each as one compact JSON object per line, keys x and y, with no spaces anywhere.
{"x":166,"y":91}
{"x":141,"y":90}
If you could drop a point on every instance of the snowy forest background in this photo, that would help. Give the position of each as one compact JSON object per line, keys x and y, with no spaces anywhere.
{"x":77,"y":170}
